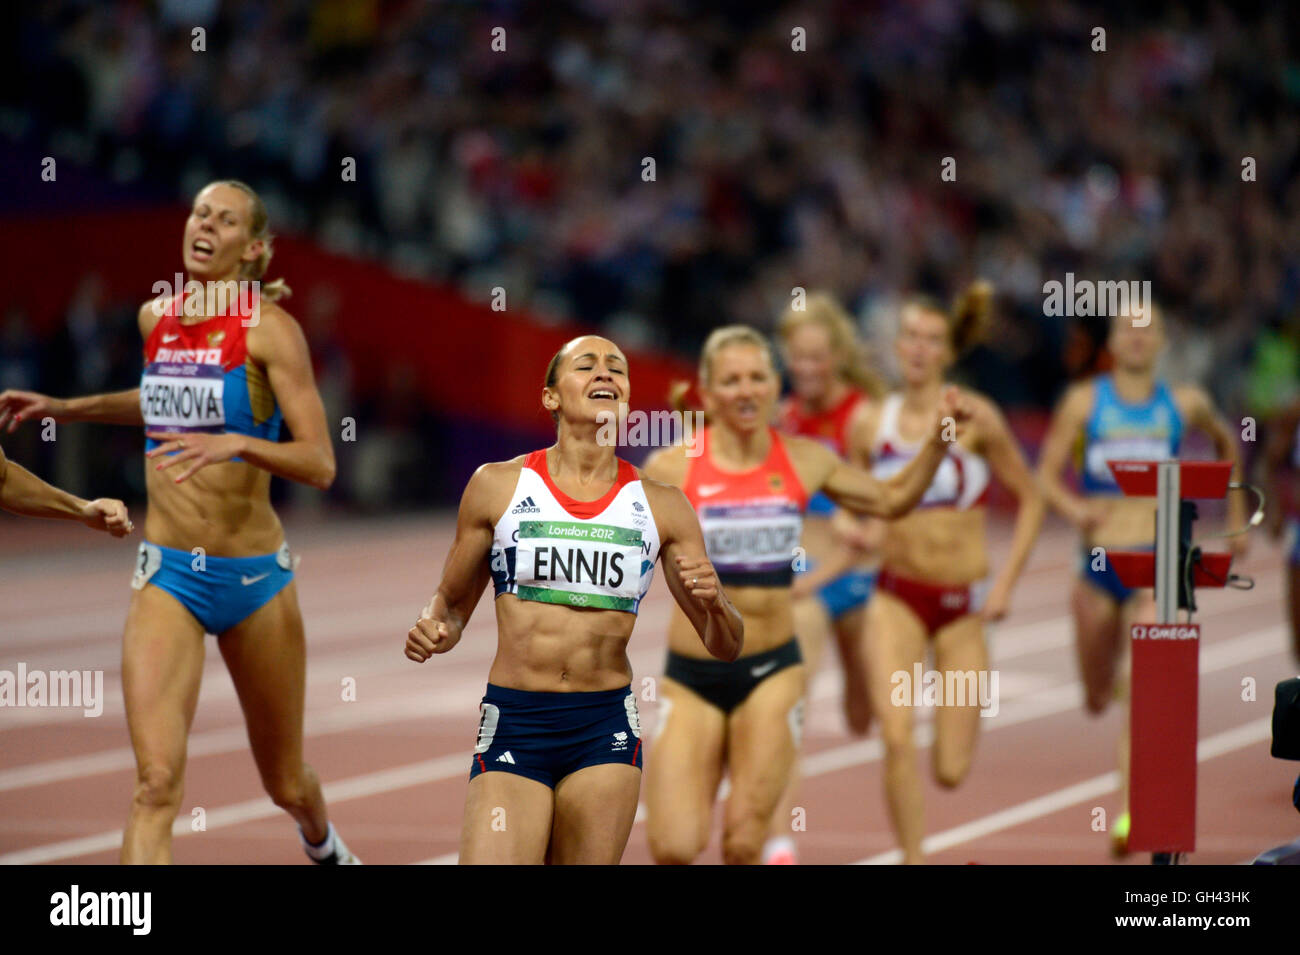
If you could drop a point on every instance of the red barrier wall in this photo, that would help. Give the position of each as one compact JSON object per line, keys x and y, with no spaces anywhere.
{"x":470,"y":361}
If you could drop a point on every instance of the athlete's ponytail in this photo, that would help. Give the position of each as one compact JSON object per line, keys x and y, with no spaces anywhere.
{"x":276,"y":289}
{"x":969,"y":317}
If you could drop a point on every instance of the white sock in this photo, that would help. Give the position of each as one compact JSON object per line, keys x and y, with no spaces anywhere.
{"x":322,"y":851}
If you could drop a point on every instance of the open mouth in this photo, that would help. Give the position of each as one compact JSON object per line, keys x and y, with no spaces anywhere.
{"x":603,"y":394}
{"x":202,"y":249}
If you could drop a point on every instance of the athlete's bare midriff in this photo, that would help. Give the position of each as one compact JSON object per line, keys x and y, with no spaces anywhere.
{"x":937,"y":545}
{"x":224,"y":508}
{"x":1129,"y":522}
{"x":769,"y":622}
{"x":547,"y":648}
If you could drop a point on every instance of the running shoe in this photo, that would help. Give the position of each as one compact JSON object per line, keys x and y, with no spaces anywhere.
{"x":1119,"y":836}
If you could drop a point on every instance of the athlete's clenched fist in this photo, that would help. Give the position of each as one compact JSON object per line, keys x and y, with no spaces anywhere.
{"x":430,"y":635}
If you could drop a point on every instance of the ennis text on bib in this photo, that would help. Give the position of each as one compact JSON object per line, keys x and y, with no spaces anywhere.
{"x":551,"y":548}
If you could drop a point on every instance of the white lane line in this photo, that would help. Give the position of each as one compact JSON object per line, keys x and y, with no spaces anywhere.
{"x":355,"y":788}
{"x":1043,"y":703}
{"x":1228,"y":741}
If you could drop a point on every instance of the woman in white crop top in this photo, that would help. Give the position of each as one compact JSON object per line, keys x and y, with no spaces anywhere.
{"x":934,"y":559}
{"x":568,"y":536}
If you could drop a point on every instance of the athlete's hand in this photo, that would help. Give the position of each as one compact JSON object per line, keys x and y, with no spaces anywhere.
{"x":997,"y":604}
{"x":196,"y":447}
{"x":428,"y":636}
{"x":701,"y":583}
{"x":1088,"y":515}
{"x":107,"y":514}
{"x":955,"y":410}
{"x":17,"y":406}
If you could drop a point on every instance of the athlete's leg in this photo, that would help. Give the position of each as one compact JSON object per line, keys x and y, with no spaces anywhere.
{"x":812,"y":624}
{"x":683,"y":769}
{"x":896,"y":641}
{"x":1096,"y":642}
{"x":266,"y":654}
{"x":850,"y":637}
{"x":959,"y":648}
{"x":162,"y":666}
{"x":1141,"y":607}
{"x":761,"y":747}
{"x":507,"y":820}
{"x":594,"y":811}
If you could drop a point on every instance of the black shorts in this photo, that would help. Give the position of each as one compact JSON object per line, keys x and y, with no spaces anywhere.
{"x":547,"y":736}
{"x":727,"y":685}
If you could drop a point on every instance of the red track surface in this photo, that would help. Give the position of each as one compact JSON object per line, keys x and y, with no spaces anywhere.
{"x":395,"y":761}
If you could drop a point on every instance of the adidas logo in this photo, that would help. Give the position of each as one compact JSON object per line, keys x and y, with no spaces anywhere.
{"x":526,"y":506}
{"x":506,"y":758}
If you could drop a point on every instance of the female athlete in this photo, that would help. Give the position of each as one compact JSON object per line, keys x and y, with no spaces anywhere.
{"x":1128,"y":414}
{"x":934,"y":560}
{"x":830,"y":389}
{"x":750,"y":486}
{"x":223,"y":369}
{"x":569,"y":536}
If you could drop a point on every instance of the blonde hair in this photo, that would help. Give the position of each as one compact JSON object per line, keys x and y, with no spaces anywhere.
{"x":823,"y":311}
{"x":969,"y":317}
{"x":277,"y":288}
{"x":718,"y":339}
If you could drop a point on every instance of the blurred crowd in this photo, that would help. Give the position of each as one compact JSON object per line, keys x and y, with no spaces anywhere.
{"x":1114,"y":156}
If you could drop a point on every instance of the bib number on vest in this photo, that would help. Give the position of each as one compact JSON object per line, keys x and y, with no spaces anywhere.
{"x":148,"y":560}
{"x":183,"y":397}
{"x":577,"y":564}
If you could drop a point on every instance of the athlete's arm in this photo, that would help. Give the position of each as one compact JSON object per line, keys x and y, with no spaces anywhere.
{"x":690,"y":577}
{"x":860,"y":492}
{"x":1202,"y":414}
{"x":1008,"y":465}
{"x":277,"y":343}
{"x":22,"y":492}
{"x":466,"y":571}
{"x":1067,"y":424}
{"x":116,"y":407}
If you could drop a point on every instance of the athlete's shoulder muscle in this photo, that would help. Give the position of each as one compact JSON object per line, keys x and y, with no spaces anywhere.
{"x":487,"y":494}
{"x":1078,"y":401}
{"x":667,"y":465}
{"x":1193,"y":403}
{"x":150,"y":314}
{"x":812,"y":460}
{"x":671,"y":510}
{"x":862,"y":429}
{"x":276,"y":335}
